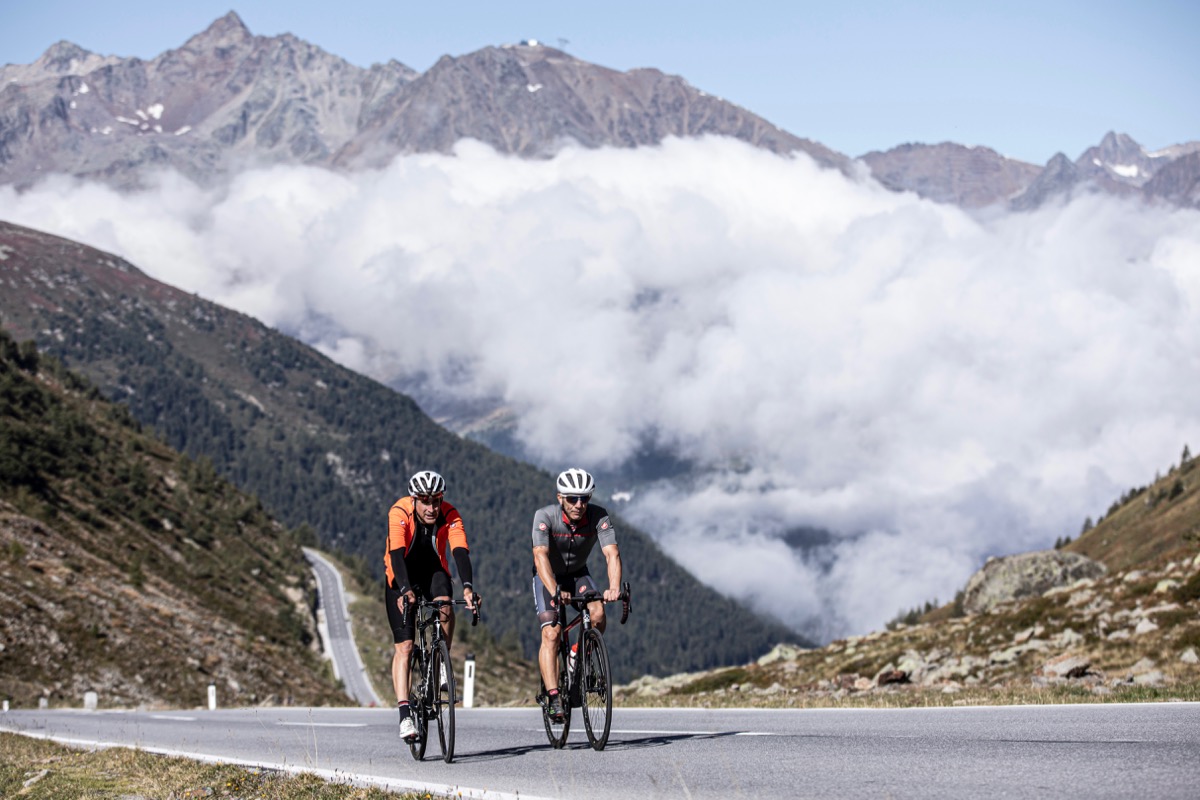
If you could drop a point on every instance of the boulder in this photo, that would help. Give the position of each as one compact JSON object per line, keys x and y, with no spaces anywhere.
{"x":1026,"y":575}
{"x":781,"y":652}
{"x":1065,"y":666}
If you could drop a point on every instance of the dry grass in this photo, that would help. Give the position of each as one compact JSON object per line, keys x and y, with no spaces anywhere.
{"x":42,"y":770}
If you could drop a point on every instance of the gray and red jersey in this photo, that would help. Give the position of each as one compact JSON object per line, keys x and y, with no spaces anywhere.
{"x":570,"y":545}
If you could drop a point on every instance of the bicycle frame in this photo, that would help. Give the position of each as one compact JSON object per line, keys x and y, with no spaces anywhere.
{"x":429,"y":697}
{"x":585,"y":681}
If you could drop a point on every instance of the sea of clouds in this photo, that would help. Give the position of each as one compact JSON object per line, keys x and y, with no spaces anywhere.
{"x":929,"y":386}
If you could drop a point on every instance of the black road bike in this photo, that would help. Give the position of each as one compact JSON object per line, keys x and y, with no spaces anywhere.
{"x":431,"y":689}
{"x":584,"y":679}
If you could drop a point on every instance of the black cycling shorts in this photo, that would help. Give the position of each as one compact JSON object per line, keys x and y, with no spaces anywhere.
{"x":580,"y":582}
{"x":436,"y":585}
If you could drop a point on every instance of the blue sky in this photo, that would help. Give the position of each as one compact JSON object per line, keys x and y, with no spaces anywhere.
{"x":1028,"y":79}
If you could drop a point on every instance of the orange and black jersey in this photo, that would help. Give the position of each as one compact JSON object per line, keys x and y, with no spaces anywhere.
{"x":411,"y":544}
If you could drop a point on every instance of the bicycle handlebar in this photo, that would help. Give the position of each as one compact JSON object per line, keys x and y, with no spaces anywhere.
{"x":439,"y":603}
{"x":591,"y":597}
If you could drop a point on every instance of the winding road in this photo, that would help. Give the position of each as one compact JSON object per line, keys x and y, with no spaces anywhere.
{"x":336,"y":632}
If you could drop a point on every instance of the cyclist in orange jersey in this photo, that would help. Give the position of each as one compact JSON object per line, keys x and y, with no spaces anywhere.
{"x":420,"y":526}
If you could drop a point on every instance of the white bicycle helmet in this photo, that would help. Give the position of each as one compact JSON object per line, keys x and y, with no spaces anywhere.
{"x":426,"y":482}
{"x":575,"y":481}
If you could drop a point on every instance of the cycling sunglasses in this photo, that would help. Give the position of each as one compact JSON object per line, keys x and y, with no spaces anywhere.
{"x":430,"y":499}
{"x":577,"y":499}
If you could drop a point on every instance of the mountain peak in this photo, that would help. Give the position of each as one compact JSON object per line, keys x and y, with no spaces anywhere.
{"x":1118,"y":158}
{"x":1119,"y":145}
{"x":60,"y":59}
{"x":66,"y":58}
{"x":223,"y":32}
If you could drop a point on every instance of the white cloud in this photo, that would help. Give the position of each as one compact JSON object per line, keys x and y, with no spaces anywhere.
{"x":929,"y":386}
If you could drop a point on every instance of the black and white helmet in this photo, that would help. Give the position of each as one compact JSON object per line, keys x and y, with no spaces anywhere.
{"x":575,"y":481}
{"x":426,"y":482}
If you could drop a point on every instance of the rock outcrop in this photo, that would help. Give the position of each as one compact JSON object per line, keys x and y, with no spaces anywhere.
{"x":1025,"y":575}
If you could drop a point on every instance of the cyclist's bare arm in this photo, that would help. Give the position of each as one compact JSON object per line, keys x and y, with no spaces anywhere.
{"x":541,"y":560}
{"x":613,"y":557}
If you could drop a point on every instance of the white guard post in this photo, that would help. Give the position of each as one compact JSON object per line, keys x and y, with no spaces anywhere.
{"x":469,"y":681}
{"x":212,"y":697}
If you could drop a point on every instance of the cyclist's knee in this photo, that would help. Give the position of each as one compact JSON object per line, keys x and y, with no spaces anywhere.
{"x":404,"y":648}
{"x":549,"y":633}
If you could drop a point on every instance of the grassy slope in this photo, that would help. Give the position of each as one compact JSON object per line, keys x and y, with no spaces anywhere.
{"x":132,"y":571}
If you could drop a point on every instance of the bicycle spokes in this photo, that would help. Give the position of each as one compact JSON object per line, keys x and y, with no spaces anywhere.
{"x":416,"y":702}
{"x":441,"y":679}
{"x":595,"y":689}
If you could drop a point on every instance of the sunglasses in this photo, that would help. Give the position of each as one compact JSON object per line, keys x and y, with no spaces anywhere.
{"x":576,"y":499}
{"x":429,"y":499}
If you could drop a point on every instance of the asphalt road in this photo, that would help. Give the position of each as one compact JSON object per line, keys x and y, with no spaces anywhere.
{"x":339,"y":643}
{"x":1093,"y":751}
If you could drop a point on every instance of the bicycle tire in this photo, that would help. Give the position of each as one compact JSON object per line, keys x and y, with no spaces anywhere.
{"x":595,"y":689}
{"x":443,"y":699}
{"x":557,"y":732}
{"x":417,"y":702}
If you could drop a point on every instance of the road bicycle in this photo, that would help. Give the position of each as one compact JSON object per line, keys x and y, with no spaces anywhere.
{"x":584,"y":678}
{"x":431,"y":689}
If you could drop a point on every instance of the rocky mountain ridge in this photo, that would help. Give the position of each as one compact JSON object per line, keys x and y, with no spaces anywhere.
{"x":978,"y":177}
{"x":227,"y":99}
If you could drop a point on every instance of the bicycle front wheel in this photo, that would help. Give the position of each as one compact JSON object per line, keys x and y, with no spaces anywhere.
{"x":418,"y":703}
{"x":442,"y":675}
{"x":595,"y":690}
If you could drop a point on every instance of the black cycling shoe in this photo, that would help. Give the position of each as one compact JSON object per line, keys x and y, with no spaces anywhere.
{"x":554,"y":708}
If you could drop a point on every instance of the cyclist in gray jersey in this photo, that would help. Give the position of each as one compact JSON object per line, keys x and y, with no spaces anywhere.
{"x":564,"y":535}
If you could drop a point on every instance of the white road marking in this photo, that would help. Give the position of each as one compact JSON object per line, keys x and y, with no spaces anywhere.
{"x":684,"y":733}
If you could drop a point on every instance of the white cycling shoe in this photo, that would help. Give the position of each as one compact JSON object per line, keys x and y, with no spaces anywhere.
{"x":408,"y":729}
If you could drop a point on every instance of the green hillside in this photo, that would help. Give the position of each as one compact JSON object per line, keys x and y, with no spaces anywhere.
{"x":331,"y":449}
{"x":129,"y":570}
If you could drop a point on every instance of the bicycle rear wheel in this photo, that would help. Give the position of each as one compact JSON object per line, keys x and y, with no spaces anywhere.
{"x":557,"y":732}
{"x":595,"y":689}
{"x":417,"y":702}
{"x":443,"y":699}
